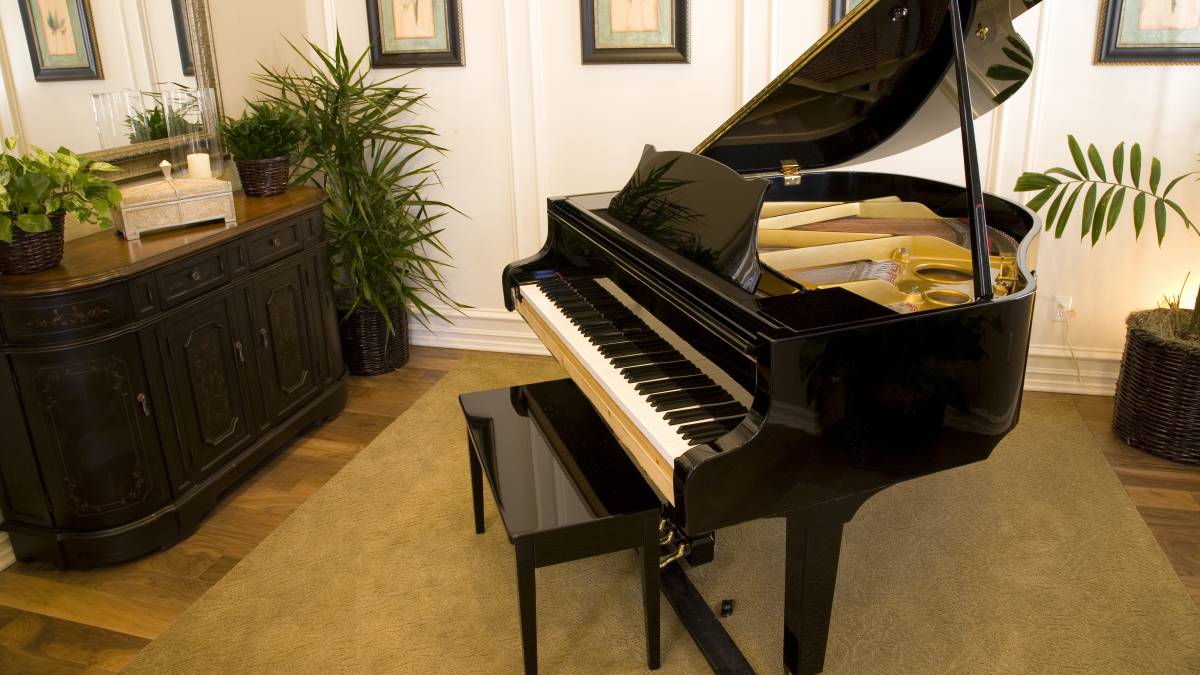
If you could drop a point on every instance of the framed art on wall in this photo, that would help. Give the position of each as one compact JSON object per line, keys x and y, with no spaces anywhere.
{"x":181,"y":36}
{"x":1149,"y":31}
{"x":61,"y":39}
{"x":634,"y":31}
{"x":411,"y":33}
{"x":838,"y":9}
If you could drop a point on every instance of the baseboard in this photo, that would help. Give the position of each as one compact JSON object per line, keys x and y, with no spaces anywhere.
{"x":487,"y":330}
{"x":1053,"y":368}
{"x":7,"y":557}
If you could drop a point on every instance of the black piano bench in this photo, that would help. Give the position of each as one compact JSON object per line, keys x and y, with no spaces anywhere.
{"x":564,"y":488}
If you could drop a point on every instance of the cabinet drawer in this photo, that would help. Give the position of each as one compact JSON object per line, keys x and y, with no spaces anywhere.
{"x":65,"y":317}
{"x":190,"y":277}
{"x":276,"y":243}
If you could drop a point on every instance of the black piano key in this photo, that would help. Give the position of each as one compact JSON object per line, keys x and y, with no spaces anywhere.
{"x":647,"y":373}
{"x":703,"y":432}
{"x":673,"y":384}
{"x":706,"y":413}
{"x":635,"y":345}
{"x":689,"y":398}
{"x":645,"y":359}
{"x":621,"y":335}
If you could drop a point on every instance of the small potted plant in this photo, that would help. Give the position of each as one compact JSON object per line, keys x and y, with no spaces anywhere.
{"x":1157,"y":406}
{"x":37,"y":190}
{"x":262,"y":142}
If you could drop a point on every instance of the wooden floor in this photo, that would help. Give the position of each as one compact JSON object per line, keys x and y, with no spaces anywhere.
{"x":96,"y":620}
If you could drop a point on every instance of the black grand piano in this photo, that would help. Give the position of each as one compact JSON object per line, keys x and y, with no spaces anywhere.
{"x":768,"y":338}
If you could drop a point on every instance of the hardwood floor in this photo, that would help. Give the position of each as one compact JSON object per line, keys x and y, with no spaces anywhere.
{"x":95,"y":621}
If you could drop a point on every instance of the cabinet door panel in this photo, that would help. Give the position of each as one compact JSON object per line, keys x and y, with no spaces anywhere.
{"x":285,"y":358}
{"x":206,"y":358}
{"x":89,"y":413}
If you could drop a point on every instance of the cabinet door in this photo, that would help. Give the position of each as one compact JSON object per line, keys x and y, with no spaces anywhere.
{"x":284,"y":343}
{"x":207,"y":358}
{"x":90,"y":418}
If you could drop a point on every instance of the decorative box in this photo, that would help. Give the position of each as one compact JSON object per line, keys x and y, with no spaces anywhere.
{"x":168,"y":204}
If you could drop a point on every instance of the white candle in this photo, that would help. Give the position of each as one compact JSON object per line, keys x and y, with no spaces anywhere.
{"x":198,"y":165}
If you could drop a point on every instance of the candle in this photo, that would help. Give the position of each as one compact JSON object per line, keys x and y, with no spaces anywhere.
{"x":198,"y":165}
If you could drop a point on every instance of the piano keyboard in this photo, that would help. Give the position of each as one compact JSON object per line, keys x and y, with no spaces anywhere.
{"x":672,"y":394}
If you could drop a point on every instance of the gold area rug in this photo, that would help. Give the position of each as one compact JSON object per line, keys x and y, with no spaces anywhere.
{"x":1033,"y":561}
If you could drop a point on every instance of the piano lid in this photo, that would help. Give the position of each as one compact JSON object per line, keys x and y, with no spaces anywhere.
{"x":879,"y":82}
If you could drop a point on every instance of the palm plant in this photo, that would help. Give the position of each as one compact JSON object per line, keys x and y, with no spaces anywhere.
{"x":360,"y":145}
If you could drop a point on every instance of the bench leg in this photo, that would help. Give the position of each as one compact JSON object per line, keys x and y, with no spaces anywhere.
{"x":476,"y":488}
{"x":650,"y":590}
{"x":527,"y":599}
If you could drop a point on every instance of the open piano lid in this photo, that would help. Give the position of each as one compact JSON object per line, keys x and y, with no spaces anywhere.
{"x":884,"y":69}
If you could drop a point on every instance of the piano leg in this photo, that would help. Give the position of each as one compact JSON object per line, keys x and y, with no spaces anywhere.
{"x":650,"y":591}
{"x":811,"y":571}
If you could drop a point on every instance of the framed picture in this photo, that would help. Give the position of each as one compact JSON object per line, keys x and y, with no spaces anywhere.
{"x":61,"y":39}
{"x":411,"y":33}
{"x":1149,"y":31}
{"x":635,"y":31}
{"x":838,"y":9}
{"x":181,"y":36}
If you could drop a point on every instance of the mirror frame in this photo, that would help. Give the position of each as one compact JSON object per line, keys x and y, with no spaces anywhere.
{"x":141,"y":160}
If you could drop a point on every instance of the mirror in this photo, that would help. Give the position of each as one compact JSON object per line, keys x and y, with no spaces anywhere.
{"x":93,"y":81}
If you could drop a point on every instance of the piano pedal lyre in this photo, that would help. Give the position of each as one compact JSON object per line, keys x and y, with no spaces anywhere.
{"x":668,"y":534}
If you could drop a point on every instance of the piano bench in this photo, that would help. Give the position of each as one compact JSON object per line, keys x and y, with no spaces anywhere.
{"x":565,"y":490}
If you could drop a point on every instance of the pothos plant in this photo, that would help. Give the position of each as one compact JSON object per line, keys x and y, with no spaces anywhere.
{"x":1105,"y":190}
{"x":35,"y":186}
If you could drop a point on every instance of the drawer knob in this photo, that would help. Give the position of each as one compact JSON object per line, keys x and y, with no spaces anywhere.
{"x":195,"y":275}
{"x":275,"y":242}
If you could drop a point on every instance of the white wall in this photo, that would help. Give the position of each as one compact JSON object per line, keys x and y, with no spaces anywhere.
{"x":525,"y":120}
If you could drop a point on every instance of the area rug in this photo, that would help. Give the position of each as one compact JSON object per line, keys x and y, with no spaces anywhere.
{"x":1033,"y":561}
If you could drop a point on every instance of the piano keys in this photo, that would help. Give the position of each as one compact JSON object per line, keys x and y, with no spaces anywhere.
{"x":769,"y":337}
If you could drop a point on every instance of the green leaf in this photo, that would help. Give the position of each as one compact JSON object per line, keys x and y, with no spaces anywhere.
{"x":1007,"y":73}
{"x":1114,"y":211}
{"x":1007,"y":92}
{"x":33,"y":222}
{"x":1135,"y":164}
{"x":1155,"y":174}
{"x":1139,"y":214}
{"x":1160,"y":219}
{"x":1089,"y":209}
{"x":1029,"y":181}
{"x":1066,"y":212}
{"x":1100,"y":214}
{"x":1065,"y":172}
{"x":6,"y":225}
{"x":1042,"y":197}
{"x":1077,"y":155}
{"x":1186,"y":221}
{"x":1119,"y":162}
{"x":1018,"y":58}
{"x":1054,"y":206}
{"x":1097,"y":163}
{"x":1176,"y":181}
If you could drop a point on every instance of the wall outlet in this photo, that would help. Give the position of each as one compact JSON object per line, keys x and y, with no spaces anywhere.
{"x":1062,"y":308}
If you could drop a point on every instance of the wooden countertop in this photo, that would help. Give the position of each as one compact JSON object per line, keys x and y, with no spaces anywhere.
{"x":106,"y":256}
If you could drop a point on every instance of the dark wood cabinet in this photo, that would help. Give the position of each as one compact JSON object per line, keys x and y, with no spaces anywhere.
{"x":140,"y":380}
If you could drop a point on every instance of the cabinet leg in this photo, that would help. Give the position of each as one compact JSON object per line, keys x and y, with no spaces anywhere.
{"x":476,"y":488}
{"x":811,"y":572}
{"x":527,"y":599}
{"x":650,"y":590}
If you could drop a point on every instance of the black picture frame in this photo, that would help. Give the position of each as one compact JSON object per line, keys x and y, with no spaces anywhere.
{"x":93,"y":71}
{"x":454,"y":55}
{"x":1109,"y":52}
{"x":181,"y":37}
{"x":593,"y":55}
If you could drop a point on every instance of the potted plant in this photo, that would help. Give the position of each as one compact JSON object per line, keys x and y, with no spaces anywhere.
{"x":262,"y":142}
{"x":37,"y":190}
{"x":1157,"y":406}
{"x":360,"y":145}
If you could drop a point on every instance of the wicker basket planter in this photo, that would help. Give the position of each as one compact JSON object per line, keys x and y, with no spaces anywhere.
{"x":366,"y":344}
{"x":264,"y":177}
{"x":1157,"y":405}
{"x":33,"y":252}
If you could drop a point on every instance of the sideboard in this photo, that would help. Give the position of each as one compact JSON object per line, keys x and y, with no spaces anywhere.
{"x":140,"y":380}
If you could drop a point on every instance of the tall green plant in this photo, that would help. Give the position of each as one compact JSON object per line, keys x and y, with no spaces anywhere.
{"x":1105,"y":198}
{"x":362,"y":147}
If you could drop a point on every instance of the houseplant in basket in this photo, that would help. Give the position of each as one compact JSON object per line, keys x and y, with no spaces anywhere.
{"x":362,"y":147}
{"x":37,"y":190}
{"x":262,"y":142}
{"x":1157,"y":406}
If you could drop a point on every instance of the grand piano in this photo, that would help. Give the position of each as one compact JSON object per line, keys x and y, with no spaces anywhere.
{"x":767,"y":337}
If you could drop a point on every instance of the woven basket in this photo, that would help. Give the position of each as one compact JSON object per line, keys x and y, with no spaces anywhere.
{"x":368,"y":348}
{"x":1157,"y":407}
{"x":33,"y":252}
{"x":264,"y":177}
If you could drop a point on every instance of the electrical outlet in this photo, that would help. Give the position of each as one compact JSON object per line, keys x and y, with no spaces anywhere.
{"x":1062,"y":308}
